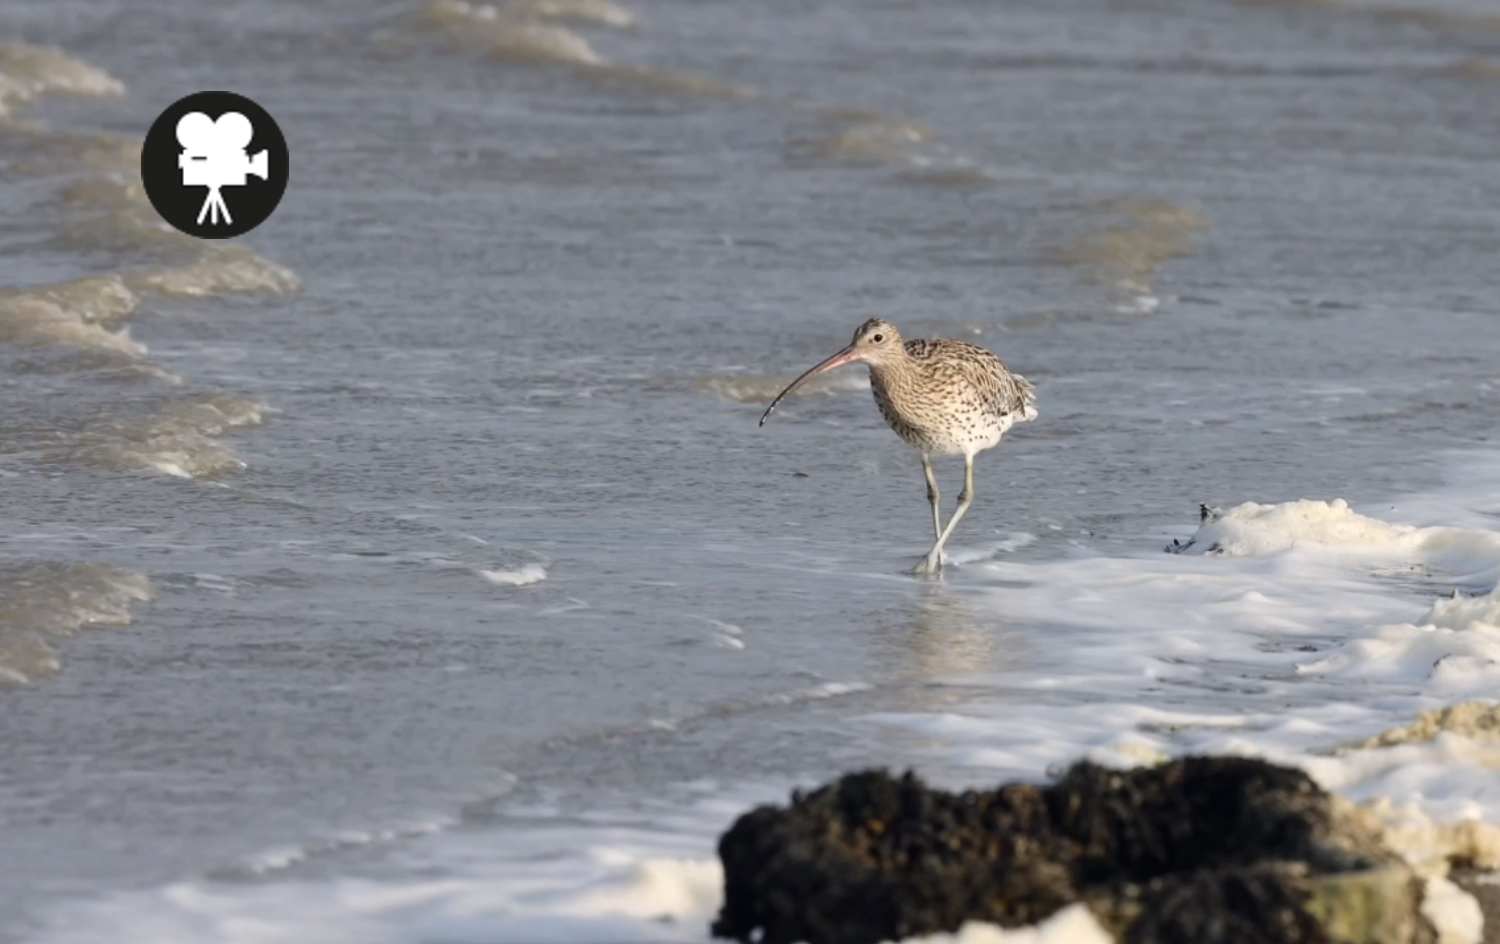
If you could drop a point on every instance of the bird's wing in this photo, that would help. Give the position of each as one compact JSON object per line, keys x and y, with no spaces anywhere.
{"x":1005,"y":393}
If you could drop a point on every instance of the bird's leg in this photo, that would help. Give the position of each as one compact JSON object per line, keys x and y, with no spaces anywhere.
{"x":933,"y":562}
{"x":965,"y":499}
{"x":932,"y":496}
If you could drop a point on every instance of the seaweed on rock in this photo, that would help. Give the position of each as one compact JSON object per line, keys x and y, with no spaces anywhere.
{"x":1201,"y":850}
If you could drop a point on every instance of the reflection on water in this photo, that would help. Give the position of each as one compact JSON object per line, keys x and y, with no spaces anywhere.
{"x":935,"y":644}
{"x":944,"y":637}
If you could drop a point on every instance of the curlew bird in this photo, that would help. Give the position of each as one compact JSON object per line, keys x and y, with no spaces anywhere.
{"x":945,"y":398}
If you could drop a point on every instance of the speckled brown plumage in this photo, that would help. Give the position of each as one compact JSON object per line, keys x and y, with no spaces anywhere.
{"x":943,"y":397}
{"x":948,"y":397}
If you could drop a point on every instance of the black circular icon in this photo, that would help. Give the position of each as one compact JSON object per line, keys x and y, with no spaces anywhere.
{"x":214,"y":165}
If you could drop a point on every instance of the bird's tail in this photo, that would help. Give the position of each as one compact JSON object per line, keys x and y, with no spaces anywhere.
{"x":1028,"y":399}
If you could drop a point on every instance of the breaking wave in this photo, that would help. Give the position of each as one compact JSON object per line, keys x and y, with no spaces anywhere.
{"x":532,"y":31}
{"x":583,"y":11}
{"x":103,"y":200}
{"x":866,"y":136}
{"x":41,"y":603}
{"x":220,"y":270}
{"x":27,"y":71}
{"x":179,"y":437}
{"x":75,"y":313}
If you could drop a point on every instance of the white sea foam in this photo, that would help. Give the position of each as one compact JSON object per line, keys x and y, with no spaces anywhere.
{"x":729,"y":636}
{"x":1453,"y":912}
{"x":284,"y":857}
{"x":1253,"y":529}
{"x":989,"y":549}
{"x":1452,"y":662}
{"x":624,"y":885}
{"x":1072,"y":925}
{"x":1451,"y":649}
{"x":518,"y":577}
{"x":818,"y":693}
{"x":620,"y":884}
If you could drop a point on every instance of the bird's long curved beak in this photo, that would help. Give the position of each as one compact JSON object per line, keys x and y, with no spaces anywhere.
{"x":843,"y":357}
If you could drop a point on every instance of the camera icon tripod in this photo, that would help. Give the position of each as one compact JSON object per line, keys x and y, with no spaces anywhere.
{"x":215,"y":156}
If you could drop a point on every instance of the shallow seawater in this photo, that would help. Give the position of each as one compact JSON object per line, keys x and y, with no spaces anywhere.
{"x":414,"y":570}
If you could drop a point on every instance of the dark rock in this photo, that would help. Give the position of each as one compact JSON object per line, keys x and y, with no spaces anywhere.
{"x":1198,"y":851}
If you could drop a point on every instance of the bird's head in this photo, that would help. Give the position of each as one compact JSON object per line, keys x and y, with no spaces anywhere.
{"x":875,"y":342}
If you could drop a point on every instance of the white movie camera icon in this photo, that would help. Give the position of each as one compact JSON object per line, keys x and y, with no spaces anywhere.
{"x":214,"y":156}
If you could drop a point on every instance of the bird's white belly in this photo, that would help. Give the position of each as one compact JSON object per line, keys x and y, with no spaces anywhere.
{"x":958,"y":442}
{"x":961,"y":435}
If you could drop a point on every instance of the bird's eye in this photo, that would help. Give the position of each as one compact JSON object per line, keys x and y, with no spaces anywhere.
{"x":878,"y":338}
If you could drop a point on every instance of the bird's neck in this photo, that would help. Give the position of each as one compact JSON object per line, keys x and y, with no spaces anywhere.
{"x":895,"y":370}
